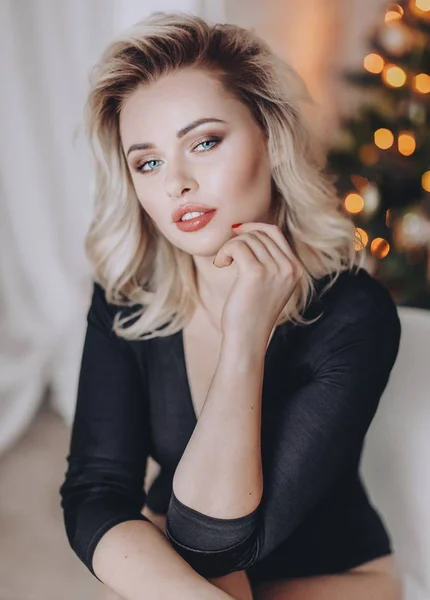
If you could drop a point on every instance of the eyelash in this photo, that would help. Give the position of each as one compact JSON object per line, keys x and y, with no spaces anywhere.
{"x":216,"y":140}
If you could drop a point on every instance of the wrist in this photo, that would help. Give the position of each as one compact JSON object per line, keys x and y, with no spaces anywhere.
{"x":246,"y":345}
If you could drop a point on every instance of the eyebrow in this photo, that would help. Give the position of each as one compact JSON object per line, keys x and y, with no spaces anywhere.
{"x":179,"y":134}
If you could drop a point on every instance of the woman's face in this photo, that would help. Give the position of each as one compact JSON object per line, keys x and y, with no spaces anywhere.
{"x":220,"y":165}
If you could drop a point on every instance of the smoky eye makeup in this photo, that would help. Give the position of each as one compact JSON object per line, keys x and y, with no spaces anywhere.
{"x":139,"y":164}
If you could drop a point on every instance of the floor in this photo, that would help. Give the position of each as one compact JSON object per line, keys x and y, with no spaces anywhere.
{"x":36,"y":561}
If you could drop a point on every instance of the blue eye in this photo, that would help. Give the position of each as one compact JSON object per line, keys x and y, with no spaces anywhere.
{"x":212,"y":141}
{"x":140,"y":167}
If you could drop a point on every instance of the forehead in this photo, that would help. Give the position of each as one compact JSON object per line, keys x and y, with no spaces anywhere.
{"x":175,"y":100}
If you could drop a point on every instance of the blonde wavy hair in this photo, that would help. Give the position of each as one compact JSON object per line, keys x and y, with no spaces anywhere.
{"x":135,"y":264}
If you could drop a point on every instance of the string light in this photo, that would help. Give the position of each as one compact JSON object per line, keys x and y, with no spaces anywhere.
{"x":372,"y":199}
{"x":421,"y":83}
{"x":354,"y":203}
{"x":392,"y":16}
{"x":362,"y":240}
{"x":360,"y":182}
{"x":380,"y":247}
{"x":413,"y":230}
{"x":423,"y":5}
{"x":421,"y":8}
{"x":394,"y":75}
{"x":406,"y":143}
{"x":425,"y":181}
{"x":394,"y":13}
{"x":396,"y":38}
{"x":384,"y":138}
{"x":374,"y":63}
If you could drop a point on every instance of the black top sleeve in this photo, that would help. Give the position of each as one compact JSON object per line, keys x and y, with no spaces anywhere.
{"x":317,"y":434}
{"x":104,"y":483}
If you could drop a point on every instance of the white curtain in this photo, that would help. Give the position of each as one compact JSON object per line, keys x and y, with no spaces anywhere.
{"x":45,"y":204}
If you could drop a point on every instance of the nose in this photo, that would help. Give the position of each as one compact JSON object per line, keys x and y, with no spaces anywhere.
{"x":177,"y":183}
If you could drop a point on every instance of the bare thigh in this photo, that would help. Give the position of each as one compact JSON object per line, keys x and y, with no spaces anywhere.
{"x":377,"y":580}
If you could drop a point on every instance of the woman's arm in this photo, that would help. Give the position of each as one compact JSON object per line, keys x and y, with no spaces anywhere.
{"x":103,"y":491}
{"x":136,"y":561}
{"x":219,"y":473}
{"x":236,"y":584}
{"x":217,"y":485}
{"x":310,"y":438}
{"x":220,"y":477}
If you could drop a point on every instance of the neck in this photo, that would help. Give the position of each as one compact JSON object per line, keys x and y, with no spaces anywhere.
{"x":214,"y":285}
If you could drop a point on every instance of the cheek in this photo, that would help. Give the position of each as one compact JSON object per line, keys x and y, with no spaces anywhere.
{"x":146,"y":197}
{"x":152,"y":209}
{"x":247,"y":177}
{"x":147,"y":206}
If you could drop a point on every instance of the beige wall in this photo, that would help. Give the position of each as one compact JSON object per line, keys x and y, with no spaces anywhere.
{"x":319,"y":38}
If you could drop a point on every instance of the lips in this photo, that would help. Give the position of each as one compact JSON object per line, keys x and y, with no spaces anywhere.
{"x":178,"y":213}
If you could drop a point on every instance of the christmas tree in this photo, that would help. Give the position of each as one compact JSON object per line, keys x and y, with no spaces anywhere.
{"x":381,"y":153}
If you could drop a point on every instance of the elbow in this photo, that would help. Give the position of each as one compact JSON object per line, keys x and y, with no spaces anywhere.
{"x":90,"y":510}
{"x":78,"y":541}
{"x":221,"y":562}
{"x":70,"y":513}
{"x":213,"y":547}
{"x":78,"y":527}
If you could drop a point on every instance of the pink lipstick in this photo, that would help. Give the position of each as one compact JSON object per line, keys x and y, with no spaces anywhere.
{"x":197,"y":222}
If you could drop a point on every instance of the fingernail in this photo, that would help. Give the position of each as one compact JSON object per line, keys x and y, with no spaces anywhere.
{"x":237,"y":225}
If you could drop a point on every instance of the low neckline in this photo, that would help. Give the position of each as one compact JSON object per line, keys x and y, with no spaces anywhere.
{"x":184,"y":373}
{"x":184,"y":369}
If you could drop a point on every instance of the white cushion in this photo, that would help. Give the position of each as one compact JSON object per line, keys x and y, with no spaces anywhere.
{"x":396,"y":458}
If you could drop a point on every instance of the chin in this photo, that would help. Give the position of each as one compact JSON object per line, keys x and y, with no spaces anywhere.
{"x":201,"y":243}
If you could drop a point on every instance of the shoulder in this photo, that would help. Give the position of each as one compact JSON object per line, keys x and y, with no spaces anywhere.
{"x":353,"y":297}
{"x":101,"y":313}
{"x":357,"y":308}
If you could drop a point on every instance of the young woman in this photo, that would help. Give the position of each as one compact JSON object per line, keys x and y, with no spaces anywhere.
{"x":247,"y":360}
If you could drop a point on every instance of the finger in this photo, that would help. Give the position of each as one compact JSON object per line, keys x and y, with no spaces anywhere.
{"x":257,"y":242}
{"x":272,"y":231}
{"x":277,"y":255}
{"x":239,"y":251}
{"x":277,"y":236}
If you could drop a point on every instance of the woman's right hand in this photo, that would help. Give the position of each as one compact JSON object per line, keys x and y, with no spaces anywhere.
{"x":266,"y":278}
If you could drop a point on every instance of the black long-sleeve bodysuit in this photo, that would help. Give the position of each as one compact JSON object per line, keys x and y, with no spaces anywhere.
{"x":322,"y":385}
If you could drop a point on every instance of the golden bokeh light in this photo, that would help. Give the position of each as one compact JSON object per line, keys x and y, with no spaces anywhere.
{"x":423,"y":5}
{"x":421,"y":83}
{"x":379,"y":247}
{"x":354,"y":203}
{"x":394,"y":8}
{"x":425,"y":181}
{"x":420,"y":8}
{"x":374,"y":63}
{"x":384,"y":138}
{"x":369,"y":154}
{"x":392,"y":15}
{"x":406,"y":143}
{"x":394,"y":75}
{"x":362,"y":240}
{"x":360,"y":182}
